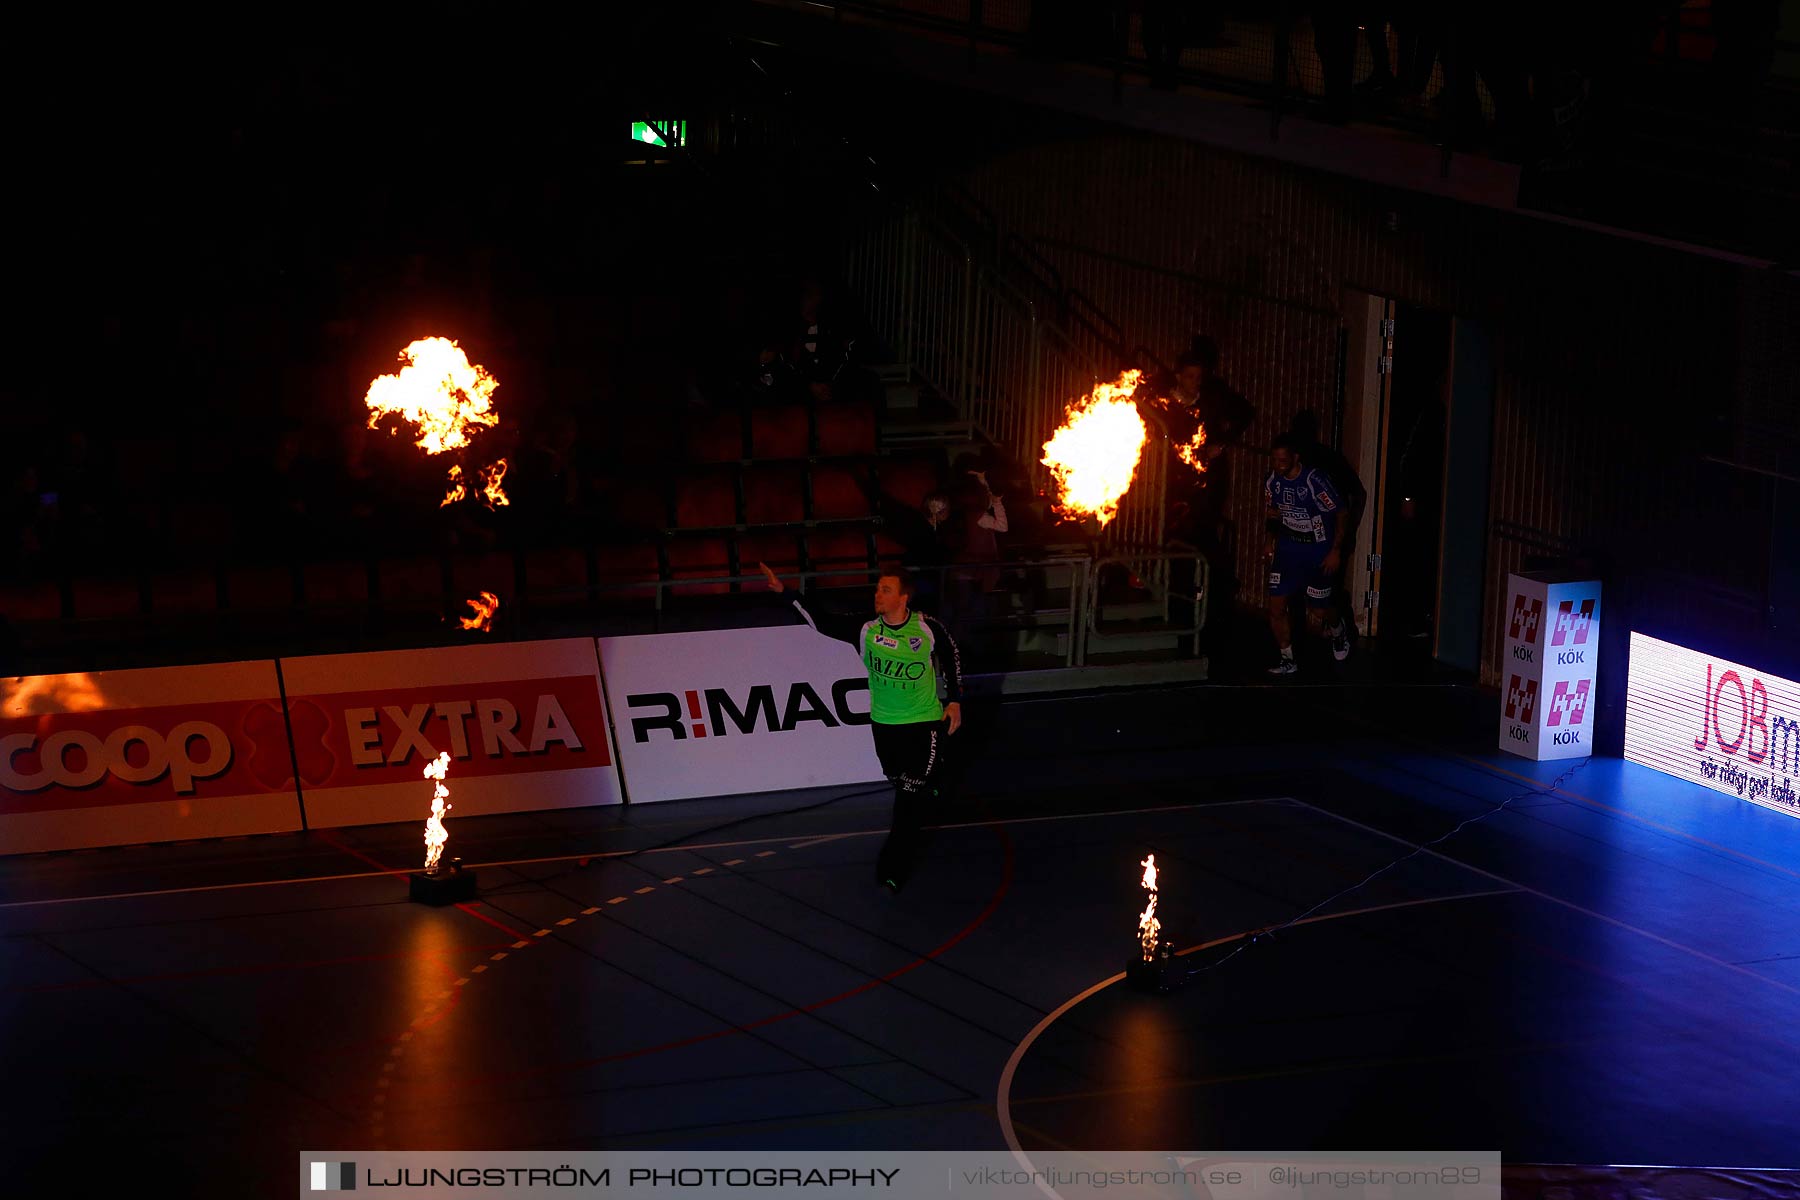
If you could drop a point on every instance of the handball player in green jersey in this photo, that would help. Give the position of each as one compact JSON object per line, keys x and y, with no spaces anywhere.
{"x":908,"y":655}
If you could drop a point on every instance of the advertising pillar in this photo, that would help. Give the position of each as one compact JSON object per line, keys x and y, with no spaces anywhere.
{"x":1552,"y":627}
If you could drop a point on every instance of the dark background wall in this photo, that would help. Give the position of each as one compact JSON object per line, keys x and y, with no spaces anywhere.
{"x":1621,"y":366}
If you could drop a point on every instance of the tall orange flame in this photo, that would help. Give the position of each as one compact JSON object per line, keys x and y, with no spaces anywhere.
{"x":1094,"y":453}
{"x":1149,"y":928}
{"x":1189,"y":451}
{"x":485,"y":607}
{"x":435,"y":833}
{"x":457,"y":490}
{"x":491,"y":491}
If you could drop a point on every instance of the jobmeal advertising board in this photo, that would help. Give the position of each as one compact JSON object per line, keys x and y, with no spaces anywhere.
{"x":1723,"y":725}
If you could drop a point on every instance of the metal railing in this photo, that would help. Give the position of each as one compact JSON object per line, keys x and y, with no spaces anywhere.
{"x":987,"y":346}
{"x":1081,"y":623}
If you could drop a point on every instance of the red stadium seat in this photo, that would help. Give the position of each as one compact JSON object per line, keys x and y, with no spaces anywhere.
{"x":838,"y":549}
{"x":106,"y":598}
{"x":41,"y":601}
{"x":619,"y":568}
{"x":774,"y":494}
{"x":779,"y":550}
{"x":184,"y":593}
{"x":839,"y":492}
{"x":335,"y":584}
{"x":715,"y":437}
{"x":484,"y":573}
{"x":696,"y":558}
{"x":412,"y":582}
{"x":259,"y":588}
{"x":888,"y":551}
{"x":200,"y":527}
{"x":846,"y":428}
{"x":638,"y":504}
{"x":784,"y":432}
{"x":907,"y":481}
{"x":706,"y":499}
{"x":558,"y":575}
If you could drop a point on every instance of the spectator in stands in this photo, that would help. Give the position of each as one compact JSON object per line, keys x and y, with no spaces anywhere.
{"x":979,"y":517}
{"x":355,"y":495}
{"x":1197,"y":500}
{"x":1203,"y":392}
{"x":821,"y":348}
{"x":548,"y":480}
{"x":291,"y":490}
{"x":12,"y":651}
{"x":28,"y":523}
{"x":1334,"y":39}
{"x":85,"y":499}
{"x":932,"y":538}
{"x":770,"y":379}
{"x":1164,"y":34}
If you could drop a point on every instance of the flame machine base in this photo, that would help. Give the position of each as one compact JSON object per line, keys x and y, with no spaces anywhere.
{"x":1159,"y":974}
{"x":452,"y":886}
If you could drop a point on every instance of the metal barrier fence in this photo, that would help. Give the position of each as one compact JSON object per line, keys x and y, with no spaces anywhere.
{"x":985,"y":345}
{"x":1082,"y":621}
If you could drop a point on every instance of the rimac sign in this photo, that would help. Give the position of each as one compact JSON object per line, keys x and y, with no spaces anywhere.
{"x":724,"y":712}
{"x":1721,"y":724}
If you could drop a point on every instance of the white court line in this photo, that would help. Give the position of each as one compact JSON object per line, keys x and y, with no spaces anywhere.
{"x":1003,"y":1095}
{"x":1658,"y":938}
{"x":556,"y":858}
{"x":818,"y":841}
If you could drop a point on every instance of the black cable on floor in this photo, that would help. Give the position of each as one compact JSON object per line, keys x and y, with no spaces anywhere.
{"x":675,"y":842}
{"x":1246,"y":942}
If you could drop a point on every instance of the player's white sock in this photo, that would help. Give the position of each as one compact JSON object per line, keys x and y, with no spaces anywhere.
{"x":1287,"y":654}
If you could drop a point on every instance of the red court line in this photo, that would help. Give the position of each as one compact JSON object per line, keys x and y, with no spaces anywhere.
{"x":331,"y":839}
{"x":517,"y":936}
{"x":980,"y":918}
{"x":256,"y":968}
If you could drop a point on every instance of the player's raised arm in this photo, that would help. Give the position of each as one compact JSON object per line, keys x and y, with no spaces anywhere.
{"x":839,"y":626}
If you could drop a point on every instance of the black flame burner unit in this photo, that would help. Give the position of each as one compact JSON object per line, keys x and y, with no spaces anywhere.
{"x":1159,"y":974}
{"x":448,"y":885}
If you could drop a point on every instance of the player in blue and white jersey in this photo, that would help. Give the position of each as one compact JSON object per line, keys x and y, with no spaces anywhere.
{"x":1307,"y":528}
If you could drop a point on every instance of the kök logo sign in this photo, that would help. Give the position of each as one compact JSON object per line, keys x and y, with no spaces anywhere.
{"x":717,"y":712}
{"x":1527,"y":615}
{"x":1521,"y":699}
{"x":1572,"y":624}
{"x":1568,"y":705}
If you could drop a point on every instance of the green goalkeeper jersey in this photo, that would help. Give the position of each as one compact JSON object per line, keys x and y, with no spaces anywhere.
{"x":906,"y":662}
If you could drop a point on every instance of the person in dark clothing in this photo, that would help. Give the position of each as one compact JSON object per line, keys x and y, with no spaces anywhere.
{"x":821,"y":349}
{"x":1200,"y":397}
{"x":1203,"y":392}
{"x":770,"y":379}
{"x":1342,"y":476}
{"x":909,"y":656}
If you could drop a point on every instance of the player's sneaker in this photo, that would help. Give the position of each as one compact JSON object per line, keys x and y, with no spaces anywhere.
{"x":1340,"y":641}
{"x":1286,"y":666}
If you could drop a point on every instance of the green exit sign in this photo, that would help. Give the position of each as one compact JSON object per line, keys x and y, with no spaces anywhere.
{"x":641,"y":131}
